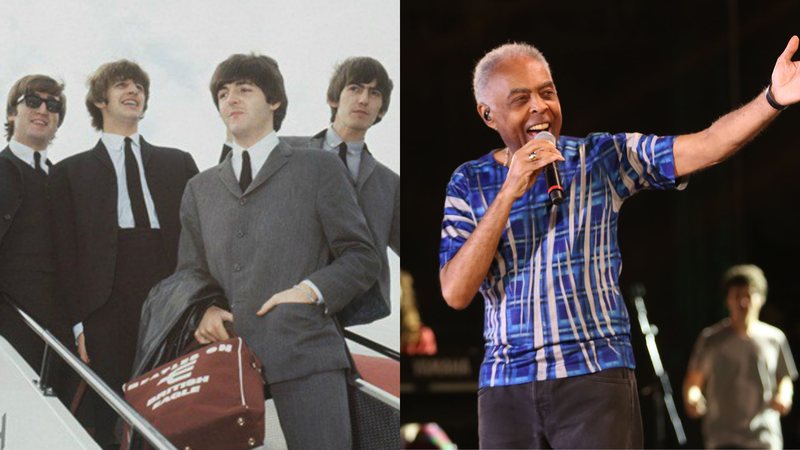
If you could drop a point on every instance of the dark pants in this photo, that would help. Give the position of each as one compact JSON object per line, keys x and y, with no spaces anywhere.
{"x":314,"y":411}
{"x":600,"y":410}
{"x":111,"y":331}
{"x":24,"y":340}
{"x":37,"y":289}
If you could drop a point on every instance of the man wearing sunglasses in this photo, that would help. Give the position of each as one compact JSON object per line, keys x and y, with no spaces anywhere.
{"x":116,"y":218}
{"x":34,"y":111}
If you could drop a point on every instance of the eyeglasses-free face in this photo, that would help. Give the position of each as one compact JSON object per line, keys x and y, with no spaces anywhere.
{"x":34,"y":101}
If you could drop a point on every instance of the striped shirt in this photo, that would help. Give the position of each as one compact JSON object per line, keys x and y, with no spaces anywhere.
{"x":553,"y":307}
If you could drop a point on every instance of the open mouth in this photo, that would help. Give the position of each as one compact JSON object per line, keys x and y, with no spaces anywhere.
{"x":39,"y":122}
{"x":533,"y":130}
{"x":133,"y":103}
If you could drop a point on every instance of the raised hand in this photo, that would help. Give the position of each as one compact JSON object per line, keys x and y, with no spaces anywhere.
{"x":786,"y":75}
{"x":525,"y":165}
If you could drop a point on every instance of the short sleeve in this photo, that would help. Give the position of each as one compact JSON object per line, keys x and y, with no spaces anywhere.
{"x":459,"y":220}
{"x":634,"y":161}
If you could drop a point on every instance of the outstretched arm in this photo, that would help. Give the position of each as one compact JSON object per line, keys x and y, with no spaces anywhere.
{"x":730,"y":132}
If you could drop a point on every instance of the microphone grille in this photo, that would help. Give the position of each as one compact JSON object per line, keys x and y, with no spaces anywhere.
{"x":547,"y":136}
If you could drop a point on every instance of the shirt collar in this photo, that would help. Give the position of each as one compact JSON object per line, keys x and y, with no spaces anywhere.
{"x":260,"y":149}
{"x":332,"y":141}
{"x":114,"y":142}
{"x":25,"y":153}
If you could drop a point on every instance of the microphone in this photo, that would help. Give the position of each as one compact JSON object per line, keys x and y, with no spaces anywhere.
{"x":551,"y":175}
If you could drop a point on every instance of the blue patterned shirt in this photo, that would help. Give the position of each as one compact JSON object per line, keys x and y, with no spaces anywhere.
{"x":553,"y":307}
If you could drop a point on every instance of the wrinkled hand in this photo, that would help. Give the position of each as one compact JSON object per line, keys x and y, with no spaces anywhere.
{"x":297,"y":294}
{"x":522,"y":172}
{"x":211,"y":328}
{"x":82,"y":349}
{"x":786,"y":75}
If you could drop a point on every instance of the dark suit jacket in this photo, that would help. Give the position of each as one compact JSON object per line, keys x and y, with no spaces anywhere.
{"x":11,"y":190}
{"x":378,"y":192}
{"x":84,"y":198}
{"x":28,"y":282}
{"x":298,"y":219}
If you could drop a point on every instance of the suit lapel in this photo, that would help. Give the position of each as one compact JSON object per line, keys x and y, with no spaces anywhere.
{"x":228,"y":178}
{"x":101,"y":154}
{"x":11,"y":192}
{"x":317,"y":140}
{"x":12,"y":158}
{"x":277,"y":158}
{"x":156,"y":179}
{"x":7,"y":153}
{"x":146,"y":150}
{"x":365,"y":168}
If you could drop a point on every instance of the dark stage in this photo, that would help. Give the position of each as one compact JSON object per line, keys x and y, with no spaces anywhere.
{"x":664,"y":67}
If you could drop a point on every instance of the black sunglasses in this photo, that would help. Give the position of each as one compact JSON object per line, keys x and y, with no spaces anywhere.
{"x":34,"y":101}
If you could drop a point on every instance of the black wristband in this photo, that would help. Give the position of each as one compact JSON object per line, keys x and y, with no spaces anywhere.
{"x":771,"y":100}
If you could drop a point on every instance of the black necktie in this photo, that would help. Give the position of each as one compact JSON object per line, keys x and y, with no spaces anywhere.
{"x":247,"y":172}
{"x":343,"y":153}
{"x":140,"y":217}
{"x":37,"y":161}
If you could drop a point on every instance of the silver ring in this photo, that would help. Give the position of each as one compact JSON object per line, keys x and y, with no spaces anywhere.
{"x":532,"y":156}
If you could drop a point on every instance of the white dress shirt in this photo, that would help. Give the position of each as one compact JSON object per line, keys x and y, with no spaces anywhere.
{"x":115,"y":145}
{"x":25,"y":153}
{"x":259,"y":152}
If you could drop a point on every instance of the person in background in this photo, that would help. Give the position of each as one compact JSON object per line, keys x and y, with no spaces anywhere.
{"x":359,"y":93}
{"x":739,"y":379}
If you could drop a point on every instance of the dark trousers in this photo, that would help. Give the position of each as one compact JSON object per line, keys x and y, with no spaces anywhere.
{"x":314,"y":411}
{"x":37,"y":289}
{"x":27,"y":343}
{"x":111,"y":331}
{"x":600,"y":410}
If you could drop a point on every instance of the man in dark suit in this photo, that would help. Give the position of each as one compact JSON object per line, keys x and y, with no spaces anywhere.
{"x":115,"y":211}
{"x":358,"y":94}
{"x":281,"y":231}
{"x":35,"y":109}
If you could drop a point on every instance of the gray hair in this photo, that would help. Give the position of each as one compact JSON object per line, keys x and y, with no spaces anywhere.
{"x":490,"y":61}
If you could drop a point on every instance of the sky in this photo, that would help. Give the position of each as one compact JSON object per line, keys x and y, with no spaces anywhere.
{"x":179,"y":44}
